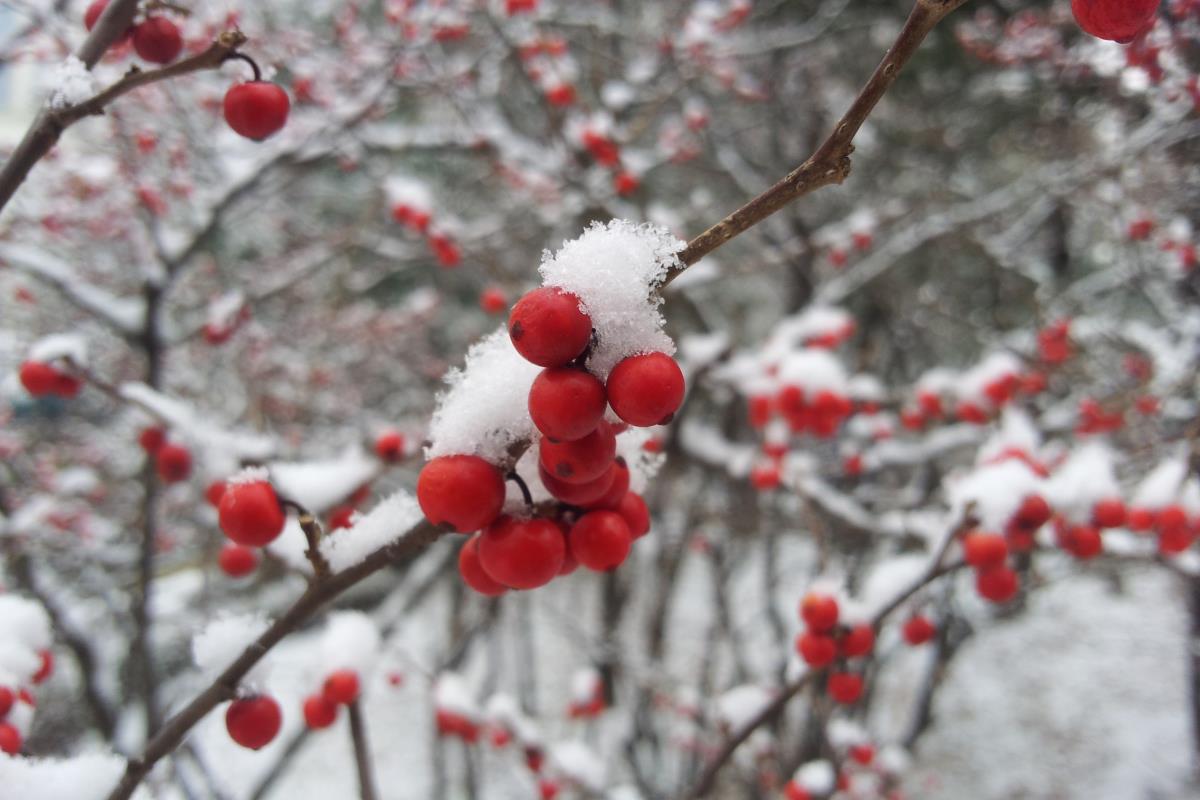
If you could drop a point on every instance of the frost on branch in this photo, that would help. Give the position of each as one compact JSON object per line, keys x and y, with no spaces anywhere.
{"x":224,"y":639}
{"x":321,"y":484}
{"x":24,"y":634}
{"x":72,"y":83}
{"x":70,"y":346}
{"x":83,"y":777}
{"x":223,"y":447}
{"x":381,"y":526}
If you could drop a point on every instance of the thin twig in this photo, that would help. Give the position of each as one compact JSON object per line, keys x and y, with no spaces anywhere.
{"x":362,"y":753}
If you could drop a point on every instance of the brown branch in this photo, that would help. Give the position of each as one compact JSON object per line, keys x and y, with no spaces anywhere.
{"x":312,"y":533}
{"x":831,"y":162}
{"x":400,"y":552}
{"x":52,"y":122}
{"x":362,"y":753}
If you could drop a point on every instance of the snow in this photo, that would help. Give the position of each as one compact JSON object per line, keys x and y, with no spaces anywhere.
{"x":72,"y":84}
{"x":88,"y":776}
{"x":615,"y":269}
{"x":70,"y":346}
{"x":385,"y":523}
{"x":124,"y":314}
{"x":585,"y":684}
{"x":485,"y":410}
{"x":814,"y":370}
{"x":223,"y":639}
{"x":578,"y":763}
{"x":996,"y":490}
{"x":319,"y":485}
{"x":403,"y":190}
{"x":994,"y":367}
{"x":451,"y":693}
{"x":817,"y":777}
{"x":185,"y":421}
{"x":1162,"y":485}
{"x":249,"y":475}
{"x":1086,"y":477}
{"x":223,"y":311}
{"x":735,"y":708}
{"x":350,"y":641}
{"x":24,"y":633}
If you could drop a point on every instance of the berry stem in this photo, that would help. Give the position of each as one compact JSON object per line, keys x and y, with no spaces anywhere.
{"x":312,"y":532}
{"x":362,"y":753}
{"x":253,"y":64}
{"x":517,"y":479}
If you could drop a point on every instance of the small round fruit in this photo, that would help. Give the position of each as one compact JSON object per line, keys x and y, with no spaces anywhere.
{"x":580,"y":461}
{"x":549,"y":328}
{"x":983,"y":550}
{"x":1115,"y":20}
{"x":390,"y":446}
{"x":10,"y":739}
{"x":918,"y":630}
{"x":45,"y":669}
{"x":578,"y":494}
{"x":998,"y":584}
{"x":341,"y":687}
{"x":817,"y":649}
{"x":857,"y":642}
{"x":566,"y":403}
{"x":646,"y":390}
{"x":157,"y":40}
{"x":637,"y":515}
{"x":464,"y":492}
{"x":173,"y":463}
{"x":1033,"y":513}
{"x":250,"y":513}
{"x":39,"y":379}
{"x":611,"y":501}
{"x":472,"y":572}
{"x":845,"y":687}
{"x":319,"y":712}
{"x":7,"y":698}
{"x":600,"y":540}
{"x":152,"y":439}
{"x":1109,"y":513}
{"x":819,"y":612}
{"x":256,"y":109}
{"x":253,"y":721}
{"x":237,"y":561}
{"x":522,"y":553}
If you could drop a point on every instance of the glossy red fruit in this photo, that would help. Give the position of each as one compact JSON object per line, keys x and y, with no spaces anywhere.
{"x":250,"y":513}
{"x":566,"y":403}
{"x":578,"y":494}
{"x":611,"y":501}
{"x":646,"y":390}
{"x":983,"y":550}
{"x":817,"y":650}
{"x":918,"y":630}
{"x":600,"y":540}
{"x":7,"y":698}
{"x":464,"y":492}
{"x":857,"y":642}
{"x":582,"y":460}
{"x":390,"y":446}
{"x":1115,"y":20}
{"x":845,"y":687}
{"x":237,"y":561}
{"x":1083,"y":541}
{"x":38,"y":379}
{"x":152,"y":439}
{"x":256,"y":109}
{"x":1033,"y":513}
{"x":637,"y":515}
{"x":157,"y":40}
{"x":522,"y":553}
{"x":998,"y":584}
{"x":341,"y":687}
{"x":10,"y":739}
{"x":472,"y":572}
{"x":819,"y":612}
{"x":548,"y":327}
{"x":173,"y":463}
{"x":253,"y":721}
{"x":1109,"y":513}
{"x":319,"y":712}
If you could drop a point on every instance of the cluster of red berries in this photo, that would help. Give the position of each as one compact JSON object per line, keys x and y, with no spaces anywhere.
{"x":839,"y":254}
{"x":1175,"y":531}
{"x":1094,"y":419}
{"x":253,"y":721}
{"x":445,"y":249}
{"x":822,"y":414}
{"x":824,"y":642}
{"x":10,"y":736}
{"x":41,"y":380}
{"x":341,"y":688}
{"x":155,"y":39}
{"x":1115,"y":20}
{"x":1054,"y":342}
{"x":605,"y":152}
{"x":172,"y":462}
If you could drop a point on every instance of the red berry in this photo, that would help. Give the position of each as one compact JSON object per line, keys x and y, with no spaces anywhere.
{"x":566,"y":403}
{"x":341,"y":687}
{"x":819,"y":612}
{"x":173,"y":463}
{"x":46,"y":669}
{"x":250,"y":513}
{"x":625,"y":183}
{"x":237,"y":561}
{"x":1033,"y":513}
{"x":464,"y":492}
{"x":1172,"y":516}
{"x":152,"y":439}
{"x":637,"y":515}
{"x":7,"y":698}
{"x":319,"y":712}
{"x":1083,"y":541}
{"x":765,"y":477}
{"x":845,"y":687}
{"x":254,"y":721}
{"x":794,"y":791}
{"x":214,"y":492}
{"x":579,"y":494}
{"x":1172,"y":541}
{"x":157,"y":40}
{"x":646,"y":390}
{"x":857,"y":642}
{"x":998,"y":584}
{"x":390,"y":446}
{"x":472,"y":572}
{"x":582,"y":460}
{"x":256,"y":109}
{"x":1115,"y":20}
{"x":1109,"y":513}
{"x":38,"y":379}
{"x":600,"y":540}
{"x":862,"y":753}
{"x":983,"y":550}
{"x":817,"y":650}
{"x":522,"y":553}
{"x":548,"y":327}
{"x":1140,"y":519}
{"x":10,"y":739}
{"x":493,"y":300}
{"x":611,"y":501}
{"x":971,"y":413}
{"x":918,"y":630}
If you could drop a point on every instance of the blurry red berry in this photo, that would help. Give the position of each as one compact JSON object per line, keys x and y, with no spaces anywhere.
{"x":250,"y":513}
{"x":237,"y":561}
{"x":254,"y":721}
{"x":256,"y":109}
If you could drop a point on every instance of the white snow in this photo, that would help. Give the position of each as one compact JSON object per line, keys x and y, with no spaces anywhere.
{"x":88,"y":776}
{"x":184,"y":421}
{"x":578,"y":763}
{"x":817,"y":777}
{"x":72,"y":83}
{"x":997,"y":491}
{"x":385,"y":523}
{"x":1086,"y":477}
{"x":1162,"y":485}
{"x":319,"y":485}
{"x":350,"y":641}
{"x":24,"y":633}
{"x":736,"y":707}
{"x":70,"y":346}
{"x":223,"y":639}
{"x":451,"y":693}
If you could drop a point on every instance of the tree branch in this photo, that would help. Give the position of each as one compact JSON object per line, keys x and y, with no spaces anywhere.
{"x":362,"y":753}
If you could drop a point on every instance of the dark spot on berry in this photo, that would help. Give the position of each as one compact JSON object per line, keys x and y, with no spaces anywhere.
{"x":516,"y":331}
{"x":563,"y":470}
